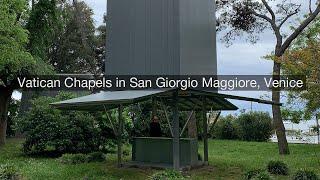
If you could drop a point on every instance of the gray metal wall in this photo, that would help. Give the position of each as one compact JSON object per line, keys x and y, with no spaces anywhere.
{"x":198,"y":37}
{"x":155,"y":37}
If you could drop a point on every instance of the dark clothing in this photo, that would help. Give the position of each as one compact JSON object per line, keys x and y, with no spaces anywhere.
{"x":155,"y":129}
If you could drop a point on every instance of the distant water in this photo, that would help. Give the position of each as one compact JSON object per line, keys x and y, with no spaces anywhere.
{"x":298,"y":140}
{"x":301,"y":132}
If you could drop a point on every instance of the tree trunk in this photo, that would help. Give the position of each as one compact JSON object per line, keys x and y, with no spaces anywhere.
{"x":5,"y":96}
{"x":277,"y":119}
{"x":192,"y":126}
{"x":25,"y":105}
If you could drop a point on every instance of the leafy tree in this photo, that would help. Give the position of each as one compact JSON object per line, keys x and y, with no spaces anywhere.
{"x":43,"y":25}
{"x":14,"y":59}
{"x":252,"y":17}
{"x":303,"y":58}
{"x":101,"y":39}
{"x":74,"y":51}
{"x":62,"y":33}
{"x":254,"y":126}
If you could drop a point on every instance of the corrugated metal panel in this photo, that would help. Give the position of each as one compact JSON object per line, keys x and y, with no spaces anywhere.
{"x":161,"y":37}
{"x":198,"y":37}
{"x":143,"y":36}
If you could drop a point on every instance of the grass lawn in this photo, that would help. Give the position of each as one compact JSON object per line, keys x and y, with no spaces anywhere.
{"x":228,"y":160}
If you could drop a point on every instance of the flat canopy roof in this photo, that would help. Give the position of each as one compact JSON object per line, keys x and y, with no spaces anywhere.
{"x":187,"y":100}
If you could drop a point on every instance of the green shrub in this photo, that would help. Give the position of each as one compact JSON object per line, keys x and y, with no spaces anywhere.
{"x":8,"y":172}
{"x":305,"y":175}
{"x":278,"y":167}
{"x":252,"y":173}
{"x":62,"y":131}
{"x":47,"y":128}
{"x":256,"y":174}
{"x":96,"y":157}
{"x":225,"y":128}
{"x":261,"y":176}
{"x":167,"y":175}
{"x":73,"y":158}
{"x":254,"y":126}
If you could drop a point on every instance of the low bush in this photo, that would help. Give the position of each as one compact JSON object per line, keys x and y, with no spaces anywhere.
{"x":278,"y":168}
{"x":252,"y":173}
{"x":305,"y":175}
{"x":50,"y":129}
{"x":60,"y":131}
{"x":82,"y":158}
{"x":256,"y":174}
{"x":96,"y":157}
{"x":73,"y":158}
{"x":225,"y":128}
{"x":8,"y":172}
{"x":167,"y":175}
{"x":254,"y":126}
{"x":261,"y":176}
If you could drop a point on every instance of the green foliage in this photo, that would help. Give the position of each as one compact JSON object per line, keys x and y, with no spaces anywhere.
{"x":278,"y":167}
{"x":14,"y":59}
{"x":82,"y":158}
{"x":140,"y":115}
{"x":73,"y":158}
{"x":44,"y":23}
{"x":294,"y":116}
{"x":49,"y":129}
{"x":8,"y":172}
{"x":62,"y":33}
{"x":225,"y":128}
{"x":141,"y":119}
{"x":167,"y":175}
{"x":231,"y":160}
{"x":261,"y":176}
{"x":76,"y":44}
{"x":315,"y":129}
{"x":254,"y":126}
{"x":101,"y":39}
{"x":305,"y":175}
{"x":303,"y":58}
{"x":252,"y":173}
{"x":96,"y":157}
{"x":257,"y":174}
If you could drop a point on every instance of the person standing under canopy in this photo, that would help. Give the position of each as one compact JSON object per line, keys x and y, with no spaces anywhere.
{"x":155,"y":129}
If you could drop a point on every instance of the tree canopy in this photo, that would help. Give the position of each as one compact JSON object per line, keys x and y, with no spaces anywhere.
{"x":15,"y":60}
{"x":303,"y":58}
{"x":252,"y":17}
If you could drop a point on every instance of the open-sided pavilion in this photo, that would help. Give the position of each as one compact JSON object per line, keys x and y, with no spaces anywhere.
{"x":189,"y":100}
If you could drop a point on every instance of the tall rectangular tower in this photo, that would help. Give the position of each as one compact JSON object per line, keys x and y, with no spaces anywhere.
{"x":161,"y":37}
